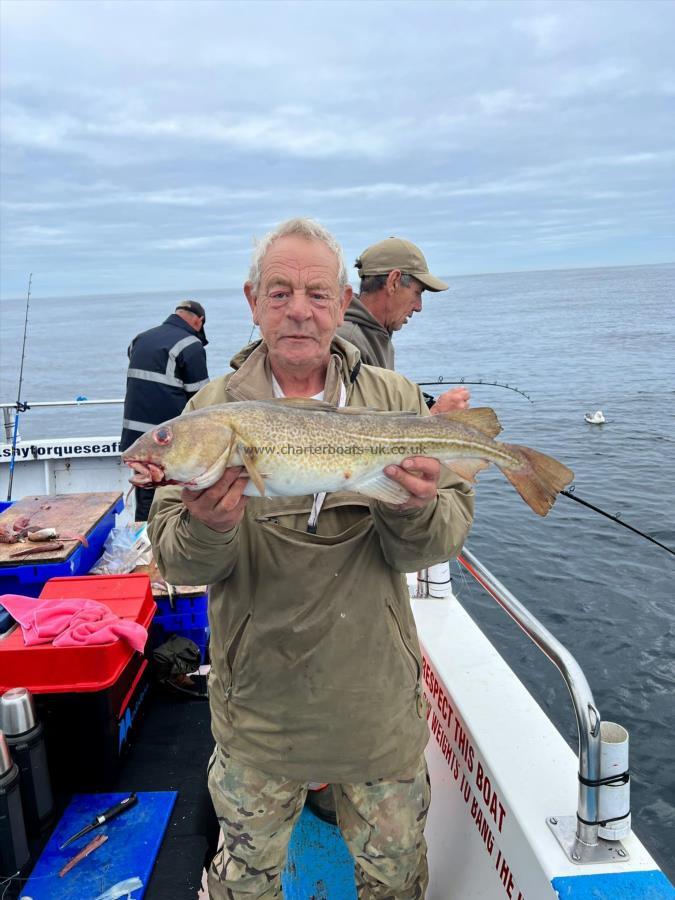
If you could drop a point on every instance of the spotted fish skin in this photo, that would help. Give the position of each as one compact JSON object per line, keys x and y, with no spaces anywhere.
{"x":298,"y":447}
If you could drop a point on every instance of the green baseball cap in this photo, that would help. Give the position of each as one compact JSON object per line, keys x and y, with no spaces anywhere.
{"x":395,"y":253}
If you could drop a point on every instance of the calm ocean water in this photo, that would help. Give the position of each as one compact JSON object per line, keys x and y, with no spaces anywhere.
{"x":575,"y":341}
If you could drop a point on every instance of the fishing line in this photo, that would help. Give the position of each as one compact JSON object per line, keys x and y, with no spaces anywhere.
{"x":443,"y":380}
{"x":570,"y":493}
{"x":20,"y":407}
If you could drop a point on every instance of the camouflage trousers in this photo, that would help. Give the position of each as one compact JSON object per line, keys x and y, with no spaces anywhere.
{"x":381,"y":821}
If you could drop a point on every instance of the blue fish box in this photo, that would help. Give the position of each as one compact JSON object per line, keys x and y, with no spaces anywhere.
{"x":188,"y":618}
{"x":28,"y":578}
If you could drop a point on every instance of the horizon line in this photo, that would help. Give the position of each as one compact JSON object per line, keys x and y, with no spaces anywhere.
{"x":239,"y":286}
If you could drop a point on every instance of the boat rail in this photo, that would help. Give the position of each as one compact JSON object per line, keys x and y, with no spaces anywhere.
{"x":581,"y":843}
{"x":8,"y":409}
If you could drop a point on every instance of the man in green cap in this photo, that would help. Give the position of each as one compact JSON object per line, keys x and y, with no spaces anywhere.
{"x":394,"y":274}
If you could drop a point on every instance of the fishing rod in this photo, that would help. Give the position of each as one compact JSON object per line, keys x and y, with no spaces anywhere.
{"x":443,"y":380}
{"x":571,"y":495}
{"x":20,"y":407}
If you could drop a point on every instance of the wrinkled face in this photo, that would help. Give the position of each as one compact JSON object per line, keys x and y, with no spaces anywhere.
{"x":402,"y":304}
{"x":299,"y":303}
{"x":190,"y":450}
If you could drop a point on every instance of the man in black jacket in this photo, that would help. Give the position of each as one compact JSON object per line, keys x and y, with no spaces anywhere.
{"x":167,"y":365}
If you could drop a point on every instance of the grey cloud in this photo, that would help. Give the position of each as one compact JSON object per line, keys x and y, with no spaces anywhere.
{"x":137,"y":146}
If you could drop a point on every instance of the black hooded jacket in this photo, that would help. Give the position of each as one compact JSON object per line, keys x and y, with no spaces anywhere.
{"x":167,"y":365}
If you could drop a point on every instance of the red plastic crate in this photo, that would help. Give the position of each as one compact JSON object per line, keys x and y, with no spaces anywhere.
{"x":45,"y":669}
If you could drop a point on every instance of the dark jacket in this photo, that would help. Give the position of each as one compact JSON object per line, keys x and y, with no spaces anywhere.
{"x":371,"y":338}
{"x":167,"y":366}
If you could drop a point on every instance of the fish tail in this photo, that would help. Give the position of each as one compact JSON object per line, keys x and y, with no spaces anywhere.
{"x":538,"y":479}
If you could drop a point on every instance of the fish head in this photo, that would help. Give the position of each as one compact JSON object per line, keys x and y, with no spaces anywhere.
{"x":192,"y":450}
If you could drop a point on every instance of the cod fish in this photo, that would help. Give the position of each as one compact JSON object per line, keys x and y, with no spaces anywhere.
{"x":292,"y":447}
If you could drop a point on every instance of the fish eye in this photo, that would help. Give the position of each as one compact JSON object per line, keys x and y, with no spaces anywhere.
{"x":162,"y":435}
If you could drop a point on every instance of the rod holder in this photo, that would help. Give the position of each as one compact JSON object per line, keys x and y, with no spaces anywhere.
{"x":614,"y":800}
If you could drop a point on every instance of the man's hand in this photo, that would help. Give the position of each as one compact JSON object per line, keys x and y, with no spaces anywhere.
{"x":420,"y":476}
{"x":452,"y":400}
{"x":222,"y":505}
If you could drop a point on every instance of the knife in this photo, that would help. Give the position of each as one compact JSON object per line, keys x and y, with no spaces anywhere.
{"x":104,"y":817}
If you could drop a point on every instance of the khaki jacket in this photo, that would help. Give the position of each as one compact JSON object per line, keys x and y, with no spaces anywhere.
{"x":372,"y":339}
{"x":316,"y":666}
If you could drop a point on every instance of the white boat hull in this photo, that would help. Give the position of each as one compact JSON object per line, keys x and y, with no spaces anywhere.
{"x":499,"y":769}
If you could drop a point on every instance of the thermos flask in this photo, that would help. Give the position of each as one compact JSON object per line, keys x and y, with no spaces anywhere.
{"x":26,"y":743}
{"x":13,"y":842}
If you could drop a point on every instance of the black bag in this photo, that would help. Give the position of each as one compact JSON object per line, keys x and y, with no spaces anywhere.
{"x":177,"y":656}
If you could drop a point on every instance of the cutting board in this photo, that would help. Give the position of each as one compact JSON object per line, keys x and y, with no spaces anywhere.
{"x":134,"y":839}
{"x":72,"y":513}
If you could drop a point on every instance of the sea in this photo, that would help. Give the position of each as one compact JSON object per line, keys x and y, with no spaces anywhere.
{"x":542,"y":349}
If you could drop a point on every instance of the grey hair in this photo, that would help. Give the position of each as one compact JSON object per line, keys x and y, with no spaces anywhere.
{"x":371,"y":284}
{"x":306,"y":228}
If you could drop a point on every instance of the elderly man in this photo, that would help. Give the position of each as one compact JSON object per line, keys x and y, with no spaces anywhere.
{"x":316,"y":667}
{"x":394,"y":274}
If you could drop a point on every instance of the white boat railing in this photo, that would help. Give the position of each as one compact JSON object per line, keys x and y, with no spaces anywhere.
{"x":10,"y":409}
{"x":581,"y":843}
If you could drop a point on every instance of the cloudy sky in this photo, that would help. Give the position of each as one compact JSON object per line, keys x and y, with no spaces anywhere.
{"x":145,"y":144}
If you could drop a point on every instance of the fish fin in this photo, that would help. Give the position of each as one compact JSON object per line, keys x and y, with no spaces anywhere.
{"x":539,"y":479}
{"x":467,"y":468}
{"x":249,"y":465}
{"x":379,"y":487}
{"x":482,"y":418}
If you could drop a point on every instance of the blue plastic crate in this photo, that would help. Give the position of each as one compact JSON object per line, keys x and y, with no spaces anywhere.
{"x":30,"y":578}
{"x":180,"y":621}
{"x":192,"y":605}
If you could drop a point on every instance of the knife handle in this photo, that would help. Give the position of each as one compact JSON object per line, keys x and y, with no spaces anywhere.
{"x":118,"y":808}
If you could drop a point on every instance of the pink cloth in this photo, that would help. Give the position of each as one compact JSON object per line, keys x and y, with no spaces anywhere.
{"x":71,"y":623}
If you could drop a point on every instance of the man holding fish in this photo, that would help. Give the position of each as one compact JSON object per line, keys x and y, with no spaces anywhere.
{"x":316,"y":666}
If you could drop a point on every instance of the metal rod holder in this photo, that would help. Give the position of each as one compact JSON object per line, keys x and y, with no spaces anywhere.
{"x":583,"y":844}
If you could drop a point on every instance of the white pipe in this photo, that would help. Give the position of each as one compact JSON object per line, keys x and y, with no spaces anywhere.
{"x":614,"y":799}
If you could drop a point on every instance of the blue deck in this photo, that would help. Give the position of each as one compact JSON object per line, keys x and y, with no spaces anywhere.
{"x":651,"y":885}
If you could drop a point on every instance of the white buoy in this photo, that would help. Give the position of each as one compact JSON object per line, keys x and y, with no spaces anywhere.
{"x":614,"y":799}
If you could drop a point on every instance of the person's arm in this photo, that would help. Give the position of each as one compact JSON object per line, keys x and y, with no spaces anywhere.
{"x":195,"y":534}
{"x":193,"y":370}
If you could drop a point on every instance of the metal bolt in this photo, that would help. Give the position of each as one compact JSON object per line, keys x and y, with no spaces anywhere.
{"x":621,"y":852}
{"x":575,"y":855}
{"x":553,"y":820}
